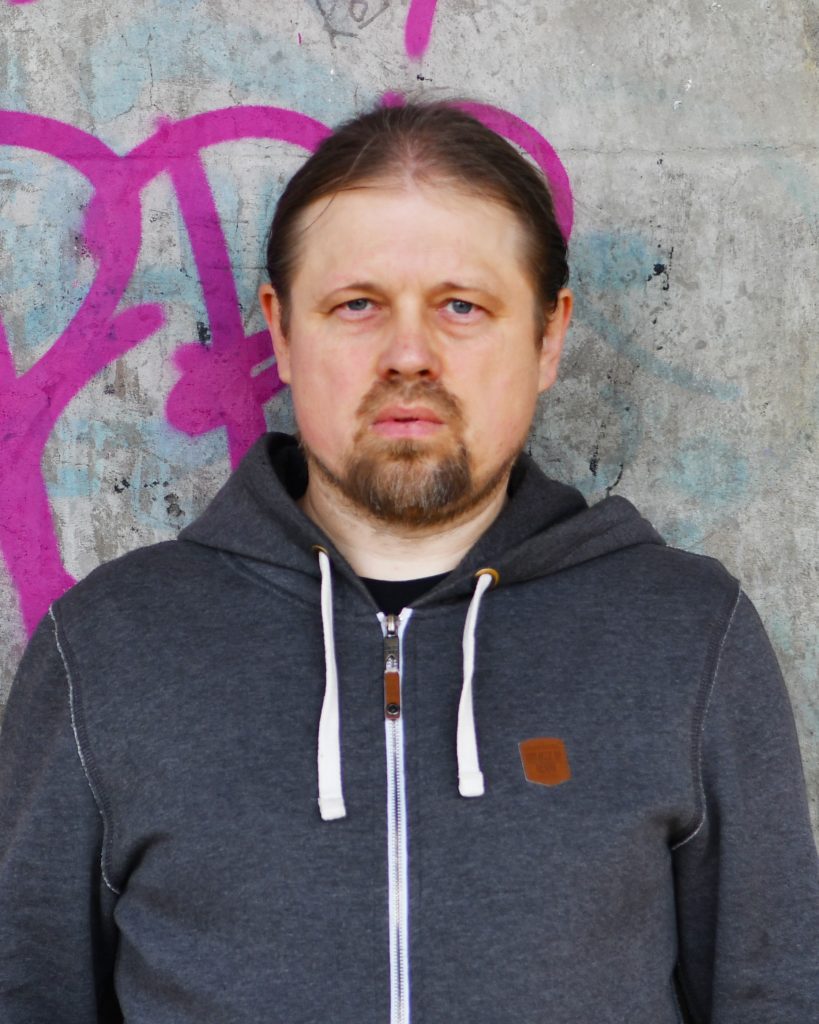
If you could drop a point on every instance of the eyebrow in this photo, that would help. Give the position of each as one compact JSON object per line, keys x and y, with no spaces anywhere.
{"x":444,"y":286}
{"x":356,"y":286}
{"x":463,"y":286}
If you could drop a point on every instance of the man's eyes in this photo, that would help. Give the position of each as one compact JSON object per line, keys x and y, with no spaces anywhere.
{"x":461,"y":308}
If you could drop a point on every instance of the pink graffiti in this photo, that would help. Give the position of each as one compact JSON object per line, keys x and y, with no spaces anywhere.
{"x":217,"y":388}
{"x":525,"y":136}
{"x":530,"y":140}
{"x":224,"y":385}
{"x":418,"y":27}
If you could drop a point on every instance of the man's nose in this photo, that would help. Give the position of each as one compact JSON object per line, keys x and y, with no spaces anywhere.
{"x":409,"y":349}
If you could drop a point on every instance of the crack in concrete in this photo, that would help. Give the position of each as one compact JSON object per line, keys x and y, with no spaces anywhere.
{"x":151,"y":100}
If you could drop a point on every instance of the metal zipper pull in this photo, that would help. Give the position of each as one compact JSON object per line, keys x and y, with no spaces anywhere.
{"x":392,"y":677}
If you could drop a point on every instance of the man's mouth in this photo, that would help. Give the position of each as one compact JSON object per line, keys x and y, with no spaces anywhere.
{"x":407,"y":421}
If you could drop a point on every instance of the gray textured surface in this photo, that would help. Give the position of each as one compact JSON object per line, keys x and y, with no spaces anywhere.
{"x":689,"y":132}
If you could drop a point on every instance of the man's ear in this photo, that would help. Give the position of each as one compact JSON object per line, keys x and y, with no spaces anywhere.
{"x":554,"y":334}
{"x":272,"y":312}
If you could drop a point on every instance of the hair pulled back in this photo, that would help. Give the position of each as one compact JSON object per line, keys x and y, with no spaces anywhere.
{"x":423,"y":142}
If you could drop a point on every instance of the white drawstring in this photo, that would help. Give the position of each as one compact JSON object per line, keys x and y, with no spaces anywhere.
{"x":331,"y":797}
{"x":470,"y":777}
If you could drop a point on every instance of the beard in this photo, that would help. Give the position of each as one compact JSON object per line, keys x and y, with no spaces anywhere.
{"x":410,"y":481}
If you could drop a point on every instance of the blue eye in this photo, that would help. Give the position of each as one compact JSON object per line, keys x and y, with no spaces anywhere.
{"x":356,"y":305}
{"x":461,"y":306}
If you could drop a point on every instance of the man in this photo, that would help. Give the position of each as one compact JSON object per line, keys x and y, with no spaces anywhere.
{"x":399,"y":728}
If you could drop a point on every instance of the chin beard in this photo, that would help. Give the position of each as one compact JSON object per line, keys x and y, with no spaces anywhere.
{"x":407,"y":485}
{"x":408,"y":482}
{"x":404,"y":484}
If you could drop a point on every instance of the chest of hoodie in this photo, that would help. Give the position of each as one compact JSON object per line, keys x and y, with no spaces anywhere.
{"x":211,"y":764}
{"x":615,"y":715}
{"x":233,"y":892}
{"x":550,"y":890}
{"x":208,"y":755}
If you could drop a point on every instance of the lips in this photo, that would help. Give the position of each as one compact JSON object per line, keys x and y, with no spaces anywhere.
{"x":407,"y":414}
{"x":407,"y":421}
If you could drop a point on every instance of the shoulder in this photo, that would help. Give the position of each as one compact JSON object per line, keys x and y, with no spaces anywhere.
{"x":138,"y":571}
{"x":669,"y":576}
{"x":678,"y":568}
{"x":136,"y":591}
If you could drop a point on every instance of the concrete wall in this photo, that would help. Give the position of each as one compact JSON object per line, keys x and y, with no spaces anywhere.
{"x":142,"y":147}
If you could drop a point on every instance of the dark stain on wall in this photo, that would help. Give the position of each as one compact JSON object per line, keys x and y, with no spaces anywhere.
{"x":172,"y":506}
{"x":662,"y":269}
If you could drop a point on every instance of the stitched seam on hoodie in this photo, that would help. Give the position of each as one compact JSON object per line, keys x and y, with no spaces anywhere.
{"x":80,"y":753}
{"x":699,"y":731}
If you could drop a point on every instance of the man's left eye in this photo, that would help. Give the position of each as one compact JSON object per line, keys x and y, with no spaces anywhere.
{"x":356,"y":305}
{"x":461,"y":306}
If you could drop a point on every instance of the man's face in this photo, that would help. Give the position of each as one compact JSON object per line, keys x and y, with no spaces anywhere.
{"x":411,"y":351}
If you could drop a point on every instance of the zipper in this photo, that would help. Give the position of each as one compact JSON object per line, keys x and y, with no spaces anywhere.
{"x":397,"y":838}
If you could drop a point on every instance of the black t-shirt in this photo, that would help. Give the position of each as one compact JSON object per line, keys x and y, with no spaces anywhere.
{"x":393,"y":595}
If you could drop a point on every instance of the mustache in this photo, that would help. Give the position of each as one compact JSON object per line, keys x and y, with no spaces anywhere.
{"x":430,"y":393}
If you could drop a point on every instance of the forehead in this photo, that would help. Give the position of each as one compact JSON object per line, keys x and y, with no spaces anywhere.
{"x":406,"y":230}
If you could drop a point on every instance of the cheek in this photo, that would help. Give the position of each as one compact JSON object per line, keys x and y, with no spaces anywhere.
{"x":502,"y":404}
{"x":326,"y":390}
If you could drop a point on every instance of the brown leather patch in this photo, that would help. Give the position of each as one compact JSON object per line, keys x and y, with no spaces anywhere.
{"x":392,"y":694}
{"x":545,"y":761}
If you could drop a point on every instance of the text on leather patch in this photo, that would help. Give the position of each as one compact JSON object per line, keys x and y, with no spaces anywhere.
{"x":545,"y":761}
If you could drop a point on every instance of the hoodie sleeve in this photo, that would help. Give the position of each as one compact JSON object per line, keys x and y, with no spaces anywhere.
{"x":746,"y":876}
{"x":55,"y":907}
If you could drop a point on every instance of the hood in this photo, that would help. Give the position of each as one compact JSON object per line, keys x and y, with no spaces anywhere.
{"x":544,"y":527}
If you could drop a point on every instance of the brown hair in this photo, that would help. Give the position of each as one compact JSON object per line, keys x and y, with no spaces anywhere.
{"x":423,"y":142}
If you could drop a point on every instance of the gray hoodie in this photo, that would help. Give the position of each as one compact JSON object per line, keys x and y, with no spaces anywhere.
{"x":568,"y":791}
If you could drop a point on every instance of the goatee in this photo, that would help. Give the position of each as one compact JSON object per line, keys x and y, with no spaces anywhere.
{"x":406,"y":481}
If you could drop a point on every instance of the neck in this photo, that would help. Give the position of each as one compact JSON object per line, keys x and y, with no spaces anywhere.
{"x":385,"y":551}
